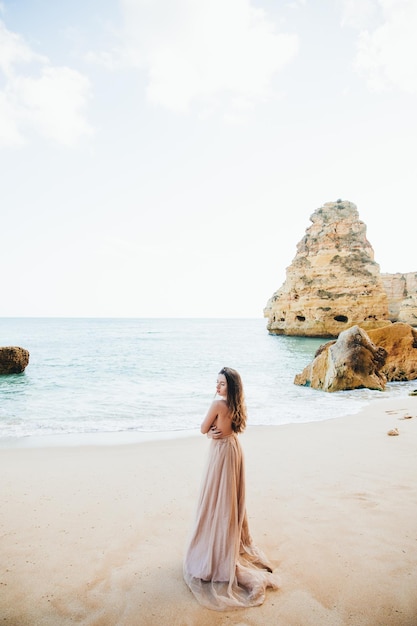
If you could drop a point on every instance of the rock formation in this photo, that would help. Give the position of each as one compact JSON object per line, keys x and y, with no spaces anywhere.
{"x":13,"y":360}
{"x":400,"y":343}
{"x":401,"y":290}
{"x":351,"y":362}
{"x":333,"y":282}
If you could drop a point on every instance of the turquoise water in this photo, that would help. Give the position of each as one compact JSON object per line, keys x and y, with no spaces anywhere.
{"x":156,"y":375}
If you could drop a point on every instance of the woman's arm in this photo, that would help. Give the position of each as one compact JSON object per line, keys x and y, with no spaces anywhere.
{"x":217,"y":422}
{"x":214,"y":432}
{"x":212,"y":413}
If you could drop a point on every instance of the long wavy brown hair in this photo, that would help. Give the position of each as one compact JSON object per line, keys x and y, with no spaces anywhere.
{"x":235,"y":399}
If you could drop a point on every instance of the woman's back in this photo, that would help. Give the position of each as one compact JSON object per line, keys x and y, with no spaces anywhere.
{"x":223,"y":421}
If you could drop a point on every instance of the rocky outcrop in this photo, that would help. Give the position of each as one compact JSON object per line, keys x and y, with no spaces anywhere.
{"x":13,"y":360}
{"x":351,"y":362}
{"x":400,"y":343}
{"x":401,"y":290}
{"x":333,"y":282}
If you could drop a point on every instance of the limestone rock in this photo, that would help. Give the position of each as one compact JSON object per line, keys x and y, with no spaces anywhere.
{"x":333,"y":282}
{"x":13,"y":360}
{"x":351,"y":362}
{"x":401,"y":290}
{"x":400,"y":342}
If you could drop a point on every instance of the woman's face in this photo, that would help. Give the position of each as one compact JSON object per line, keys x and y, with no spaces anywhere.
{"x":221,"y":385}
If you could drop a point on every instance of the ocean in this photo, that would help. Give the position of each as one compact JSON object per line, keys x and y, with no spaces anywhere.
{"x":126,"y":379}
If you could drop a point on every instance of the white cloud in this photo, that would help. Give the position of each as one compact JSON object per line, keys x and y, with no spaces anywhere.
{"x":14,"y":51}
{"x":387,"y":51}
{"x":37,"y":96}
{"x":54,"y":103}
{"x":9,"y":133}
{"x":359,"y":13}
{"x":296,"y":4}
{"x":211,"y":53}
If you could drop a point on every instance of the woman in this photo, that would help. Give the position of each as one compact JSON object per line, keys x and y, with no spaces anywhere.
{"x":222,"y":566}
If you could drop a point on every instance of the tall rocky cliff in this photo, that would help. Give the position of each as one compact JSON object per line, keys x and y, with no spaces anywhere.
{"x":401,"y":290}
{"x":334,"y":282}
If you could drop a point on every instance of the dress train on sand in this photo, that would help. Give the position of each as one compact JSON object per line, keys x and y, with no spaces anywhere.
{"x":222,"y":566}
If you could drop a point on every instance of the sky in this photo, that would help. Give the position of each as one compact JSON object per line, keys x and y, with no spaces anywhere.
{"x":162,"y":158}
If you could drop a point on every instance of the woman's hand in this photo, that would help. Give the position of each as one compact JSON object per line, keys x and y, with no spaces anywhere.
{"x":214,"y":432}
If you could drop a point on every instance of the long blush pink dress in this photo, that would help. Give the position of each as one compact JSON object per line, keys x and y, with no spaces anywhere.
{"x":222,"y":566}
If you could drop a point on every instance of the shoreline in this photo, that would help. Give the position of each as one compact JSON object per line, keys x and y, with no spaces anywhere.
{"x":111,"y":438}
{"x":132,"y":437}
{"x":95,"y":534}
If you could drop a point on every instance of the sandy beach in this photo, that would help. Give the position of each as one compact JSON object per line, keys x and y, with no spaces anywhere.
{"x":95,"y":535}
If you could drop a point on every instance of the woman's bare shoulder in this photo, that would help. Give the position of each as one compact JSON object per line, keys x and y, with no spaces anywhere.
{"x":218,"y":409}
{"x":222,"y":409}
{"x":220,"y":405}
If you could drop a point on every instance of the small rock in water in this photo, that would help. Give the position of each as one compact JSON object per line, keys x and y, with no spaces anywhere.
{"x":393,"y":432}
